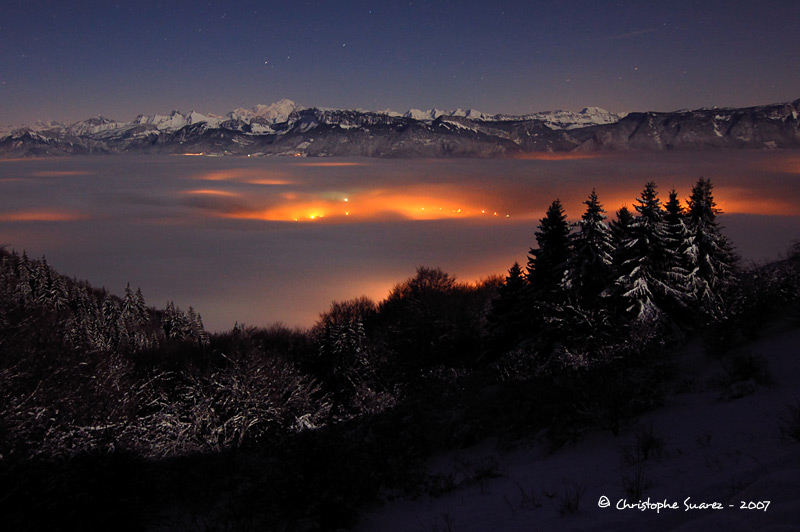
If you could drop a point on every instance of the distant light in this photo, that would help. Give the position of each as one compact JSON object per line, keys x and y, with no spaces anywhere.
{"x":346,"y":199}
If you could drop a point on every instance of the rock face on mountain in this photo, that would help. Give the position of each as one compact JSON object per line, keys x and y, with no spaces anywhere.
{"x":773,"y":126}
{"x":284,"y":128}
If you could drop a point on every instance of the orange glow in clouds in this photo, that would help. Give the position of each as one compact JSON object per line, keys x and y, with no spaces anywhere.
{"x":211,"y":192}
{"x":330,"y":163}
{"x":59,"y":173}
{"x":742,"y":201}
{"x":559,"y":156}
{"x":247,"y":175}
{"x":372,"y":204}
{"x":41,"y":216}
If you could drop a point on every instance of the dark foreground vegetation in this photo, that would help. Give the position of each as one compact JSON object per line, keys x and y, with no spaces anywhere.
{"x":118,"y":416}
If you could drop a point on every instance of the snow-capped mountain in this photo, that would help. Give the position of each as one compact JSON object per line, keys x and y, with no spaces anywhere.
{"x":273,"y":113}
{"x":589,"y":116}
{"x":285,"y":128}
{"x":177,"y":120}
{"x":93,"y":126}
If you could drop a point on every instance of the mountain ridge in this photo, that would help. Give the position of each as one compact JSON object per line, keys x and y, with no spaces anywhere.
{"x":285,"y":128}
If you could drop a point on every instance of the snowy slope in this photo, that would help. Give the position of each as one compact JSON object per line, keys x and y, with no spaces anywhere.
{"x":95,"y":126}
{"x":589,"y":116}
{"x":714,"y":449}
{"x":274,"y":113}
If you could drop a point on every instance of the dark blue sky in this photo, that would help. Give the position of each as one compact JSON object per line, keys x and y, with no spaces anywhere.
{"x":72,"y":60}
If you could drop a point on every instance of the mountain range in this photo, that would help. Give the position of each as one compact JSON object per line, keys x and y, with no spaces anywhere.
{"x":285,"y":128}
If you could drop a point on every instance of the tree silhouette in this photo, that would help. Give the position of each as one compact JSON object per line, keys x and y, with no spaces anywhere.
{"x":712,"y":258}
{"x":590,"y":268}
{"x":507,"y":320}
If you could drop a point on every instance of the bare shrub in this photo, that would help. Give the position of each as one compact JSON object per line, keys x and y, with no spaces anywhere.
{"x":647,"y":445}
{"x":570,"y":501}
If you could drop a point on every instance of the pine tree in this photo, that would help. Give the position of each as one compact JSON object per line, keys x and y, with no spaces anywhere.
{"x":548,"y":263}
{"x":141,"y":309}
{"x":547,"y":266}
{"x":25,"y":284}
{"x":506,"y":320}
{"x":590,"y":268}
{"x":642,"y":274}
{"x":170,"y":322}
{"x":113,"y":329}
{"x":621,"y":236}
{"x":712,"y":258}
{"x":678,"y":260}
{"x":194,"y":329}
{"x":129,"y":305}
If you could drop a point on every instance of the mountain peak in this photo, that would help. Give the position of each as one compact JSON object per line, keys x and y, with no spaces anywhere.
{"x":275,"y":112}
{"x":593,"y":111}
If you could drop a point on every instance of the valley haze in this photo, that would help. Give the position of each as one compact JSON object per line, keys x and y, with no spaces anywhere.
{"x":260,"y":240}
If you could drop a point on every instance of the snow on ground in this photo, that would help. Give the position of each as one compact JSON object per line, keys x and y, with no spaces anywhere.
{"x":704,"y":446}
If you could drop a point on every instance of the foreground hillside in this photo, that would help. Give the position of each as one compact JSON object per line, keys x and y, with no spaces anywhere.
{"x":718,"y":438}
{"x":242,"y":434}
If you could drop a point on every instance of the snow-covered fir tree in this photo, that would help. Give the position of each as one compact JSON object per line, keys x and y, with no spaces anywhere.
{"x":590,"y":268}
{"x":620,"y":236}
{"x":678,"y":259}
{"x":547,"y":265}
{"x":711,"y":255}
{"x":179,"y":325}
{"x":140,"y":308}
{"x":642,"y":276}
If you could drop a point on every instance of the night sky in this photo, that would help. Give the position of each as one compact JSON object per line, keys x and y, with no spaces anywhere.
{"x":68,"y":61}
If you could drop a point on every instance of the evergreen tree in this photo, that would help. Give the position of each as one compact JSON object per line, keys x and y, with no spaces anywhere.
{"x":171,"y":321}
{"x":113,"y":328}
{"x":129,"y":304}
{"x":25,"y":284}
{"x":506,"y":320}
{"x":674,"y":223}
{"x":621,"y":236}
{"x":590,"y":268}
{"x":678,"y":260}
{"x":547,"y":266}
{"x":194,"y":329}
{"x":712,"y":257}
{"x":548,"y":263}
{"x":642,"y":275}
{"x":141,"y":309}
